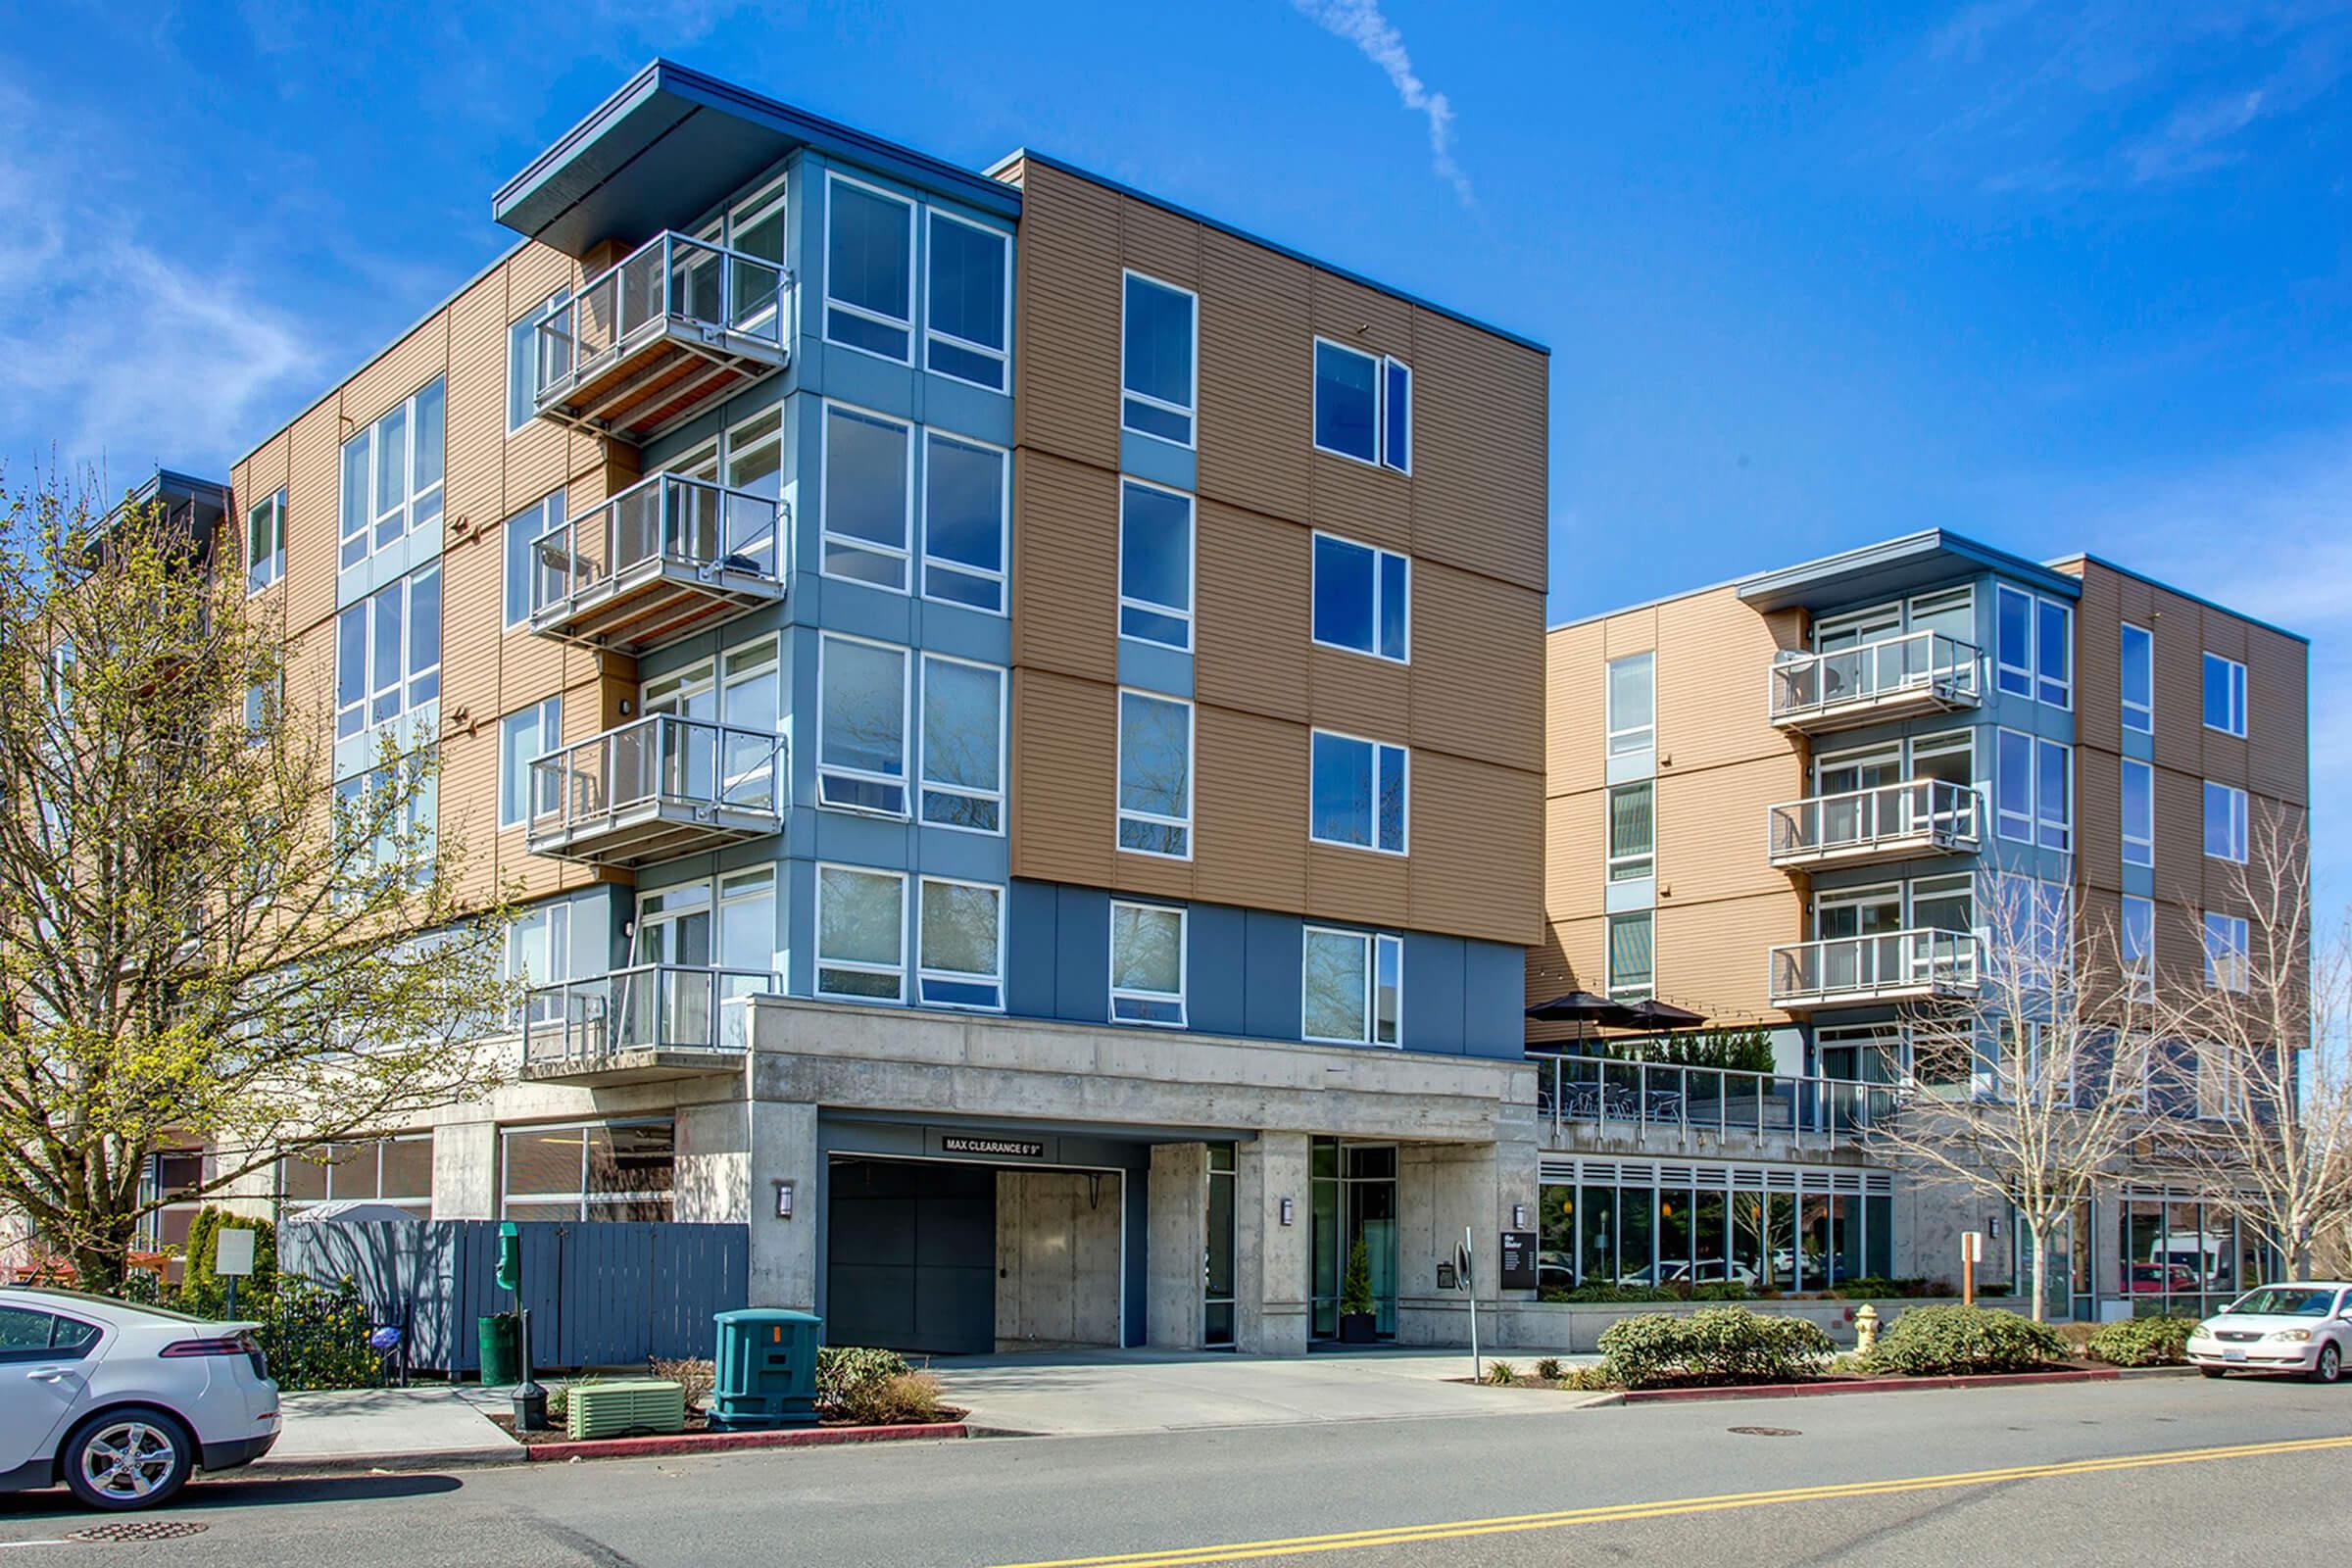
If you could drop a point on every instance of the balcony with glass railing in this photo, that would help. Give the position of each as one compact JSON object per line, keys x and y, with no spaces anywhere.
{"x":1892,"y":966}
{"x":1863,"y":827}
{"x":642,"y":1024}
{"x":1584,"y":1100}
{"x":655,"y":340}
{"x":656,"y":789}
{"x":1902,"y":677}
{"x":664,"y":558}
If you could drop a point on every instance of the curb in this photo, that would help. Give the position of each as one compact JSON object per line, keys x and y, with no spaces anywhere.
{"x":362,"y":1464}
{"x":1799,"y":1391}
{"x":725,"y":1441}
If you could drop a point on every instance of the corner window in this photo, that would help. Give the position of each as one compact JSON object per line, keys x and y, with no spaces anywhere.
{"x":970,"y":299}
{"x":1363,"y":406}
{"x":868,"y":497}
{"x":392,"y":476}
{"x":1155,"y":775}
{"x":1358,"y":788}
{"x":2225,"y":695}
{"x":1632,"y":703}
{"x":1351,"y":987}
{"x":525,"y":530}
{"x":2033,"y":790}
{"x":1160,"y":339}
{"x":1631,"y":958}
{"x":539,"y":959}
{"x":961,"y":944}
{"x":2139,"y":813}
{"x":1147,"y":963}
{"x":266,"y":543}
{"x":2013,"y":624}
{"x":388,"y":653}
{"x":2224,"y":822}
{"x":861,"y":934}
{"x":522,"y":738}
{"x":2137,"y":941}
{"x":964,"y":510}
{"x":862,"y":726}
{"x":2053,"y":653}
{"x":1632,"y":832}
{"x":523,"y":361}
{"x":869,"y":270}
{"x":963,"y":744}
{"x":1155,"y":564}
{"x":2226,"y":947}
{"x":2138,"y":679}
{"x":2033,"y":647}
{"x":1362,"y":599}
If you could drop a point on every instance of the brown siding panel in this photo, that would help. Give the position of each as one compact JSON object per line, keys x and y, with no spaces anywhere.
{"x":1067,"y":365}
{"x":1257,"y":424}
{"x":1251,"y":618}
{"x":1477,"y":666}
{"x":1477,"y":843}
{"x":1253,"y":796}
{"x":1064,"y":767}
{"x":1065,"y":588}
{"x":1479,"y":452}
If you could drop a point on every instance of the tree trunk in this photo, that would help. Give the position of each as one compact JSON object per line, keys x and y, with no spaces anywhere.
{"x":2041,"y":1270}
{"x":102,"y":1262}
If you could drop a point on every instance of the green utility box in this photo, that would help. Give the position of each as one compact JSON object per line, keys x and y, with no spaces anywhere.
{"x":765,"y":1370}
{"x":500,"y":1337}
{"x":617,"y":1410}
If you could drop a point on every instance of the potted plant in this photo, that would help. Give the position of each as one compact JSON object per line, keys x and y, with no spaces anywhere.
{"x":1357,"y":1323}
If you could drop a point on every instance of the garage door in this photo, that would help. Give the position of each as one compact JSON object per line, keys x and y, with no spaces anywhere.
{"x":911,"y":1257}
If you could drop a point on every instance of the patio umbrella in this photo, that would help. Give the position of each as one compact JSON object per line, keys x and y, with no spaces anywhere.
{"x":1656,"y":1014}
{"x":1586,"y":1011}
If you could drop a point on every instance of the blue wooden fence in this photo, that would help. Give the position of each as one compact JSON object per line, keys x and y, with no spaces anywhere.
{"x":600,"y":1294}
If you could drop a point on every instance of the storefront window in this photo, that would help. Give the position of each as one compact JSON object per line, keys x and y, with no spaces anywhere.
{"x":1218,"y":1276}
{"x":1596,"y":1236}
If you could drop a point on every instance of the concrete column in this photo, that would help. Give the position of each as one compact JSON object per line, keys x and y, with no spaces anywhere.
{"x":1177,"y":1245}
{"x":785,"y":1252}
{"x":713,"y":1182}
{"x":1272,"y":1289}
{"x":1441,"y":1191}
{"x":465,"y":1170}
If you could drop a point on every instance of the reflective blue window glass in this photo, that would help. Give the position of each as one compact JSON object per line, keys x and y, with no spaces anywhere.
{"x":1346,"y":402}
{"x":1156,"y":361}
{"x":1397,"y":419}
{"x":1155,"y":564}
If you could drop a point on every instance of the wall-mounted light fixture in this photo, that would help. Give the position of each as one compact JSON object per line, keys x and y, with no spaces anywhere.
{"x":1518,"y":1216}
{"x":1288,"y":1211}
{"x":783,"y":1199}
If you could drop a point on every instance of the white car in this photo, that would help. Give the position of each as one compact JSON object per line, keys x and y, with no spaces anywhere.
{"x":120,"y":1402}
{"x":2279,"y":1328}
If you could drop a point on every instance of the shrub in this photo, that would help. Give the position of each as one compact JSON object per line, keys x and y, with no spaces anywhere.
{"x":2141,"y":1342}
{"x":1355,"y":1284}
{"x":695,"y":1377}
{"x":1549,"y":1369}
{"x":1879,"y":1287}
{"x":1720,"y":1291}
{"x":1941,"y":1341}
{"x":1602,"y":1292}
{"x":845,"y":1373}
{"x":1501,"y":1374}
{"x":1720,"y":1345}
{"x":316,"y":1335}
{"x":205,"y":1293}
{"x":902,"y":1398}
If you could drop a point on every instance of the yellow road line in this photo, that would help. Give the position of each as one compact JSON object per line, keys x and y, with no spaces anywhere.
{"x":1399,"y":1535}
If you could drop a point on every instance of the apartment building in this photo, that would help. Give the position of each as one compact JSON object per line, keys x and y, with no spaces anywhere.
{"x":1790,"y":802}
{"x":1016,"y":709}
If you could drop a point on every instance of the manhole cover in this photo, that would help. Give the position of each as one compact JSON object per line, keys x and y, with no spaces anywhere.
{"x":141,"y":1529}
{"x":1767,"y":1432}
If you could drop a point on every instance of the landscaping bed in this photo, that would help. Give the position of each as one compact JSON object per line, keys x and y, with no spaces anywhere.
{"x":699,"y":1436}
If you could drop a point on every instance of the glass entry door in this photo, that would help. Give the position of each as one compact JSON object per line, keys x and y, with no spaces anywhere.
{"x":1847,"y":922}
{"x":1355,"y":1200}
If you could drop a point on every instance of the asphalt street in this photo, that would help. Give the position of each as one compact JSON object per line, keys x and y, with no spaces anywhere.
{"x":2140,"y":1472}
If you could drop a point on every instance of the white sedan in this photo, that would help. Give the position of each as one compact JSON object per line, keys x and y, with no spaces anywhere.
{"x":120,"y":1402}
{"x":2279,"y":1328}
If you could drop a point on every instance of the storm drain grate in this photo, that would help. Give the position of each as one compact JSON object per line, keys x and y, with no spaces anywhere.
{"x":1766,"y":1432}
{"x":141,"y":1529}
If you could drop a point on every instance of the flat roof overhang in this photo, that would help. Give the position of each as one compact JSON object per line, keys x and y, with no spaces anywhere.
{"x":673,"y":143}
{"x":1892,"y":568}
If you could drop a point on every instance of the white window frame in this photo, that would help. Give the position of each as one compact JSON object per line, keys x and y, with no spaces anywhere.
{"x":1002,"y":356}
{"x":819,"y":963}
{"x":1191,"y":568}
{"x":903,"y":552}
{"x":549,"y":521}
{"x":404,"y":679}
{"x":2234,"y":926}
{"x":1628,"y":867}
{"x":2140,"y":717}
{"x":2145,"y":842}
{"x":925,"y":784}
{"x":1372,"y":845}
{"x":588,"y":1202}
{"x":548,"y":927}
{"x":832,"y":302}
{"x":375,"y":512}
{"x":1608,"y":948}
{"x":2003,"y":668}
{"x":1374,"y":943}
{"x":2233,"y":805}
{"x":1001,"y":575}
{"x":1382,"y":364}
{"x":1125,"y":814}
{"x":262,"y":571}
{"x":526,"y":328}
{"x":2140,"y":969}
{"x":2038,"y":821}
{"x":925,"y":972}
{"x":545,"y":713}
{"x":1380,"y":558}
{"x":904,"y":782}
{"x":2235,"y":673}
{"x":1619,"y":740}
{"x":1189,"y":411}
{"x":1184,"y":967}
{"x":2064,"y":702}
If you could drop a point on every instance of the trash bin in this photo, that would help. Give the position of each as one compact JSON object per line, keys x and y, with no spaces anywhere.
{"x":501,"y":1337}
{"x":765,"y":1374}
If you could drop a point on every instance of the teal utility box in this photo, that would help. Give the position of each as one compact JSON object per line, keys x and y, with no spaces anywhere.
{"x":765,"y":1374}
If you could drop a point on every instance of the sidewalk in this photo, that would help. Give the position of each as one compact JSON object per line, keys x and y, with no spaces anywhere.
{"x":421,"y":1428}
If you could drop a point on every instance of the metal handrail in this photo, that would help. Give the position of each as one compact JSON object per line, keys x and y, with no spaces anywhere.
{"x":698,"y":524}
{"x":1643,"y":1097}
{"x":1805,"y":683}
{"x":1892,"y":959}
{"x":1921,"y":807}
{"x":664,"y":758}
{"x":648,"y":1007}
{"x":672,"y":277}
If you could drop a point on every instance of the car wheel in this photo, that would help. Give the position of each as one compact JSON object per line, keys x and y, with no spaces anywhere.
{"x":134,"y":1457}
{"x":2330,"y":1364}
{"x":2212,"y":1371}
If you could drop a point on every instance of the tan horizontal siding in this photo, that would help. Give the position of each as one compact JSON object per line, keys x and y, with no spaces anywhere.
{"x":1477,"y":666}
{"x":1256,"y":410}
{"x":1477,"y":849}
{"x":1250,"y":801}
{"x":1064,"y":770}
{"x":1065,"y":586}
{"x":1481,"y":474}
{"x":1250,"y":622}
{"x":1066,"y":371}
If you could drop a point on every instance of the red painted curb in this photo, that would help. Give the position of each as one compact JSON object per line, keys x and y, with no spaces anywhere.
{"x":721,"y":1441}
{"x":1795,"y":1390}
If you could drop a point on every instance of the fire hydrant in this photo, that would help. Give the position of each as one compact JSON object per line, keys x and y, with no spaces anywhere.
{"x":1866,"y":1328}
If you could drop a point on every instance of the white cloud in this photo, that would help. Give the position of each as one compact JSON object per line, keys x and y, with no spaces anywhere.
{"x":1361,"y":23}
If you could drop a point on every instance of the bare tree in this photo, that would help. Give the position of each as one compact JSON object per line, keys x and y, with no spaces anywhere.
{"x":2029,"y":1078}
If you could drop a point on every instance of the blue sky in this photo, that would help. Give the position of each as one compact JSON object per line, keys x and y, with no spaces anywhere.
{"x":2057,"y":276}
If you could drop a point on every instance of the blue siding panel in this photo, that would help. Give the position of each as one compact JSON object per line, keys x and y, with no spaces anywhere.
{"x":1031,"y":938}
{"x":1082,"y":957}
{"x":1270,"y":979}
{"x":1218,"y":969}
{"x":1494,"y":998}
{"x":1434,"y":1004}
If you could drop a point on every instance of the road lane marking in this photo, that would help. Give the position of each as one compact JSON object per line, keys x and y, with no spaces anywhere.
{"x":1401,"y":1535}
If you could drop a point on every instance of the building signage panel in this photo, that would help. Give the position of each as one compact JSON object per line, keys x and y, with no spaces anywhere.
{"x":991,"y":1147}
{"x":1518,"y":1271}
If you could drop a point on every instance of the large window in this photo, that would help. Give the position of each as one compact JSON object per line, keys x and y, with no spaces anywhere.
{"x":525,"y":530}
{"x":2137,"y":939}
{"x":392,"y":476}
{"x":1155,"y":775}
{"x":2226,"y":947}
{"x":388,"y":653}
{"x":2224,"y":822}
{"x":1147,"y":963}
{"x":2140,"y":679}
{"x":2225,"y":695}
{"x":1631,"y":958}
{"x":1632,"y":703}
{"x":1362,"y":599}
{"x":868,"y":497}
{"x":869,"y":270}
{"x":970,"y":293}
{"x":606,"y":1170}
{"x":964,"y":510}
{"x":2035,"y":648}
{"x":1358,"y":792}
{"x":963,"y":744}
{"x":2033,"y":790}
{"x":522,"y":737}
{"x":1161,"y":339}
{"x":2139,"y":813}
{"x":862,"y":726}
{"x":539,"y":954}
{"x":962,"y":947}
{"x":1633,"y":1223}
{"x":398,"y":1171}
{"x":266,"y":542}
{"x":1156,"y":564}
{"x":523,"y":361}
{"x":1632,"y":832}
{"x":1352,"y":985}
{"x":861,"y":934}
{"x":1363,"y":406}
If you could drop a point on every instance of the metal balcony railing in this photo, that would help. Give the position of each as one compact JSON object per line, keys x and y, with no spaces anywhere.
{"x":658,"y":787}
{"x":1892,"y":966}
{"x":651,"y":1008}
{"x":1926,"y":815}
{"x":665,"y":558}
{"x":1642,"y":1097}
{"x":1923,"y":671}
